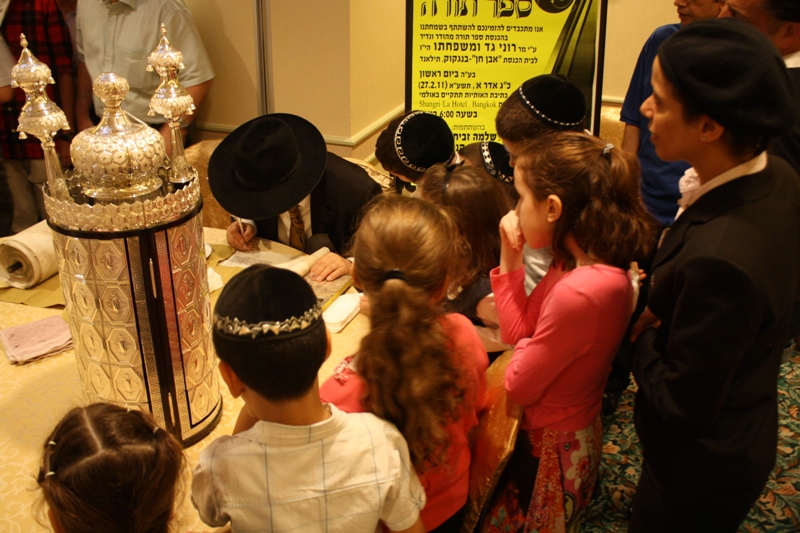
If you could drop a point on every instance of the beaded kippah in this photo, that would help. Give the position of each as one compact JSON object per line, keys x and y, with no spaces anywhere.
{"x":536,"y":111}
{"x":234,"y":326}
{"x":398,"y":144}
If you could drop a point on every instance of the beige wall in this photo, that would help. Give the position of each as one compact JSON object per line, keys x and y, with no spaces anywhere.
{"x":340,"y":63}
{"x":228,"y":31}
{"x":630,"y":23}
{"x":310,"y":54}
{"x":377,"y":75}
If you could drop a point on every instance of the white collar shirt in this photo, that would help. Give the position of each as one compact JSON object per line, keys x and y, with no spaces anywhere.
{"x":285,"y":221}
{"x":691,"y":189}
{"x":792,"y":60}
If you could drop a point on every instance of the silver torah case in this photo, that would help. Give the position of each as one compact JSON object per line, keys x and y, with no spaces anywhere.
{"x":129,"y":240}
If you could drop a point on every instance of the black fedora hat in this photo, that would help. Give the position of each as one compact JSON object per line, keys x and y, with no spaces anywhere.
{"x":267,"y":165}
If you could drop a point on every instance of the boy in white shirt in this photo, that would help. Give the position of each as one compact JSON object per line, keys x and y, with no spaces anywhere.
{"x":303,"y":466}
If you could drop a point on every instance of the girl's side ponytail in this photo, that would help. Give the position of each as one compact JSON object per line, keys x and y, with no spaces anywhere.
{"x":404,"y":252}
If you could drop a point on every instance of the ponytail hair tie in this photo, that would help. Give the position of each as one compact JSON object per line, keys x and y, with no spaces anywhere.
{"x":155,"y":430}
{"x":607,"y":150}
{"x":395,"y":273}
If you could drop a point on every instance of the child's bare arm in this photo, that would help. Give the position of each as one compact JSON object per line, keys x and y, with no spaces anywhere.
{"x":418,"y":527}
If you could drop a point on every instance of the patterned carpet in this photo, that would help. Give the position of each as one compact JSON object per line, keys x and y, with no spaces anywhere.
{"x":778,"y":508}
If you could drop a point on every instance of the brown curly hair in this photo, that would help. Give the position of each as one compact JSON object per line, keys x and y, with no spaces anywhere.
{"x":599,"y":191}
{"x":404,"y":250}
{"x":477,"y":202}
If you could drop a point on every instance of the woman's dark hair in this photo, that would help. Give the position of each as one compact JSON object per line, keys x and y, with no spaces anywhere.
{"x":783,"y":10}
{"x":109,"y":470}
{"x":599,"y":190}
{"x":405,"y":250}
{"x":477,"y":202}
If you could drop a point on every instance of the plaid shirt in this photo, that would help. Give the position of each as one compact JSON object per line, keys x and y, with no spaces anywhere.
{"x":341,"y":475}
{"x":48,"y":39}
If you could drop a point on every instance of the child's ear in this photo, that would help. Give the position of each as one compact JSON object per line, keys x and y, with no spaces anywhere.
{"x":329,"y":347}
{"x":554,"y":208}
{"x":230,"y":378}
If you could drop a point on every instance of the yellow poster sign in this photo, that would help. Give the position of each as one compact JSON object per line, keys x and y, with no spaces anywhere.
{"x":465,"y":57}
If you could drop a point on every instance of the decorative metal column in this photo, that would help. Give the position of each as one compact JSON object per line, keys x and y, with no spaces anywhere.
{"x":131,"y":261}
{"x":172,"y":101}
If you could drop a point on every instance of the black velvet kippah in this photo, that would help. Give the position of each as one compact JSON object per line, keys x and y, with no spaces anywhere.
{"x":263,"y":293}
{"x":733,"y":74}
{"x":423,"y":140}
{"x":554,"y":99}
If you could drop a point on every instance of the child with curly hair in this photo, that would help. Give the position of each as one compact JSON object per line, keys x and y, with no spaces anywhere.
{"x":418,"y":367}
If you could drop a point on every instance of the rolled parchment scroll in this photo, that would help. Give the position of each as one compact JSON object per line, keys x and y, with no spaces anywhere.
{"x":29,"y":257}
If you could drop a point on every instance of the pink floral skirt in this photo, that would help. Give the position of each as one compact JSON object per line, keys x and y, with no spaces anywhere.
{"x":564,"y":481}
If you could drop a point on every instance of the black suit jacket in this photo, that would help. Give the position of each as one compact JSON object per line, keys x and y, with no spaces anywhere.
{"x":788,"y":146}
{"x":336,"y":204}
{"x":723,"y":284}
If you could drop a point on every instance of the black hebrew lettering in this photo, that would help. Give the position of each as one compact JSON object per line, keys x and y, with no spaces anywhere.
{"x":554,"y":6}
{"x":509,"y":8}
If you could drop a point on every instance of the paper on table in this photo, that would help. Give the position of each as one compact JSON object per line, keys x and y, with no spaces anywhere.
{"x":342,"y":311}
{"x":46,"y":294}
{"x":246,"y":259}
{"x":299,"y":265}
{"x":214,"y":281}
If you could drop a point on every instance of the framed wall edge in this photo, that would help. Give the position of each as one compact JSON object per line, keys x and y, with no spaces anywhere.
{"x":616,"y":100}
{"x":221,"y":128}
{"x":359,"y":137}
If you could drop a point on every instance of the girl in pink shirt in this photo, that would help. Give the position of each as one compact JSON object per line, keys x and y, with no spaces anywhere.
{"x":579,"y":196}
{"x":419,"y":368}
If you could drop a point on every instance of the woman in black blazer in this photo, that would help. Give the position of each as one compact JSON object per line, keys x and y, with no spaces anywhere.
{"x":723,"y":281}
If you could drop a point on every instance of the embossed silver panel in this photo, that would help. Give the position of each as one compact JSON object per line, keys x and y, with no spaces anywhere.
{"x":110,"y":301}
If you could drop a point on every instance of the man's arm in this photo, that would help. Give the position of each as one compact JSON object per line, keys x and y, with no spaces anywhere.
{"x":66,"y":91}
{"x":83,"y":99}
{"x":631,"y":139}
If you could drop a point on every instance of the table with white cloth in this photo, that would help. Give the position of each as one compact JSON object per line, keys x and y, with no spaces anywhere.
{"x":34,"y":397}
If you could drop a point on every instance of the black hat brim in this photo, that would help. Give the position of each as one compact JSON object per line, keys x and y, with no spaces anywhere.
{"x":246,"y":202}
